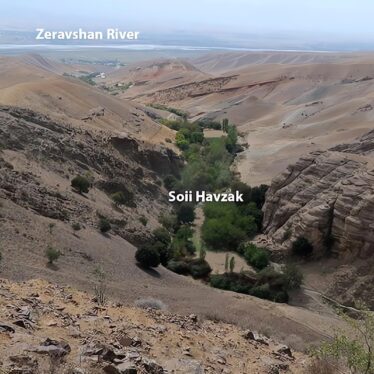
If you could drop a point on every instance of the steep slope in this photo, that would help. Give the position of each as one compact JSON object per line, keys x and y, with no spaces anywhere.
{"x":47,"y":328}
{"x":36,"y":83}
{"x":328,"y":197}
{"x":38,"y":209}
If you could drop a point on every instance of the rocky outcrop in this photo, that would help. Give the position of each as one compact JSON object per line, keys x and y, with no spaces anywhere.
{"x":39,"y":157}
{"x":71,"y":333}
{"x":327,"y":197}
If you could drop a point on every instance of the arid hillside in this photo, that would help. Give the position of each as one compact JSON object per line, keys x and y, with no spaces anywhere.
{"x":39,"y":209}
{"x":153,"y":76}
{"x":284,"y":104}
{"x":37,"y":83}
{"x":46,"y":328}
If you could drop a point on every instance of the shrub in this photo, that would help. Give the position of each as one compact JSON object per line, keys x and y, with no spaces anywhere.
{"x":181,"y":141}
{"x":119,"y":198}
{"x":179,"y":267}
{"x":123,"y":198}
{"x":287,"y":235}
{"x":80,"y":184}
{"x":257,"y":257}
{"x":104,"y":225}
{"x":355,"y":348}
{"x":169,"y":221}
{"x":262,"y":291}
{"x":150,"y":302}
{"x":148,"y":257}
{"x":199,"y":268}
{"x":302,"y":247}
{"x":323,"y":366}
{"x":100,"y":288}
{"x":170,"y":182}
{"x":76,"y":226}
{"x":162,"y":235}
{"x":293,"y":277}
{"x":163,"y":251}
{"x":52,"y":254}
{"x":143,"y":220}
{"x":186,"y":213}
{"x":266,"y":286}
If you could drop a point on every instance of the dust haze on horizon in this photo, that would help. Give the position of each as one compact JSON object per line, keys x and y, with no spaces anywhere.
{"x":289,"y":23}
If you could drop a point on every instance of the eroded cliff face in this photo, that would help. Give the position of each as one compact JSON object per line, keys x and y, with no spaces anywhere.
{"x":39,"y":157}
{"x":327,"y":197}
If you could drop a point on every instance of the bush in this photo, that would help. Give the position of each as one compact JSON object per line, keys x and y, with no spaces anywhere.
{"x":287,"y":235}
{"x":123,"y":197}
{"x":186,"y":213}
{"x":302,"y":247}
{"x":76,"y":226}
{"x":143,"y":220}
{"x":179,"y":267}
{"x":293,"y":277}
{"x":80,"y":184}
{"x":162,"y":235}
{"x":199,"y":268}
{"x":162,"y":249}
{"x":150,"y":302}
{"x":257,"y":257}
{"x":181,"y":141}
{"x":148,"y":257}
{"x":119,"y":198}
{"x":169,"y":221}
{"x":355,"y":348}
{"x":170,"y":182}
{"x":52,"y":254}
{"x":323,"y":366}
{"x":104,"y":225}
{"x":267,"y":284}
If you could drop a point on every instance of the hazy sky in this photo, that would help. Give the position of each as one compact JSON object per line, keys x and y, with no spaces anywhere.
{"x":343,"y":19}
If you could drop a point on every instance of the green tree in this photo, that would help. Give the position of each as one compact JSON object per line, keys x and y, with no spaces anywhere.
{"x":232,"y":264}
{"x":293,"y":277}
{"x":181,"y":141}
{"x":202,"y":253}
{"x":80,"y":184}
{"x":302,"y":247}
{"x":225,"y":125}
{"x":232,"y":139}
{"x":186,"y":213}
{"x":222,"y":234}
{"x":226,"y":263}
{"x":257,"y":257}
{"x":52,"y":254}
{"x":356,"y":350}
{"x":148,"y":257}
{"x":162,"y":235}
